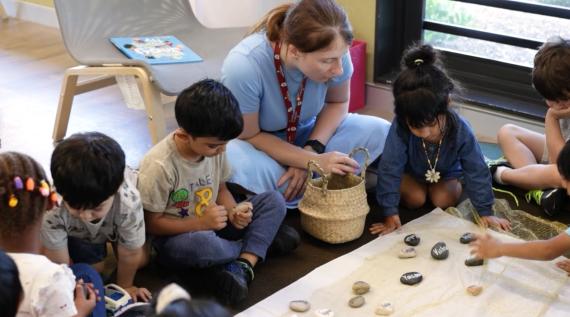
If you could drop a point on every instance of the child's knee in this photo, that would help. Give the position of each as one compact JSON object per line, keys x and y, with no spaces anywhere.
{"x":414,"y":200}
{"x":508,"y":131}
{"x":442,"y":199}
{"x":273,"y":201}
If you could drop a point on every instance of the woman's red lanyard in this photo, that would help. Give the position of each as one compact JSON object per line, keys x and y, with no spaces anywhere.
{"x":292,"y":116}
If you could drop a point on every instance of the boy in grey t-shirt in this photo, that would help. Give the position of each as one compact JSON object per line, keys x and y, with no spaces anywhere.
{"x":100,"y":204}
{"x":189,"y":210}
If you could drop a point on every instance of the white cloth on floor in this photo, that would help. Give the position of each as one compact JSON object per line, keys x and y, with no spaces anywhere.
{"x":511,"y":287}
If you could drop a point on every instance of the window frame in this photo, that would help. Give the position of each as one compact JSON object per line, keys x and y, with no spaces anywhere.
{"x":488,"y":83}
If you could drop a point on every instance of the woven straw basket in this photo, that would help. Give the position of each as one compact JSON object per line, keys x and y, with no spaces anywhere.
{"x":334,"y":207}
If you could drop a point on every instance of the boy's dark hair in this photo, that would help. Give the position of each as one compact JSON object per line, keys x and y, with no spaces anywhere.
{"x":209,"y":109}
{"x":563,"y":161}
{"x":31,"y":205}
{"x":10,"y":288}
{"x":422,"y":90}
{"x":87,"y":168}
{"x":11,"y":291}
{"x":193,"y":308}
{"x":551,"y":72}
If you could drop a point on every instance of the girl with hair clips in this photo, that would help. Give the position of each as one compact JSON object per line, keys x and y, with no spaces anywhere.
{"x":49,"y":289}
{"x":291,"y":76}
{"x":431,"y":147}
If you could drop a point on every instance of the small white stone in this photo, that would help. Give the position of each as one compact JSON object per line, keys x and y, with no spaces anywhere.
{"x":407,"y":252}
{"x":324,"y":312}
{"x":384,"y":309}
{"x":299,"y":305}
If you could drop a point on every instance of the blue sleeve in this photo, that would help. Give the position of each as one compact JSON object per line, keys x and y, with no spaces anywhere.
{"x":478,"y":183}
{"x":347,"y":70}
{"x":243,"y":80}
{"x":391,"y":169}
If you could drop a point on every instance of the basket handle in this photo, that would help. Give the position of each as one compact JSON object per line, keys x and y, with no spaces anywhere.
{"x":366,"y":160}
{"x":314,"y":167}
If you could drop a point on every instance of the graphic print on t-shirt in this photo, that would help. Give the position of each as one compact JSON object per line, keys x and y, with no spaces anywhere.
{"x":195,"y":198}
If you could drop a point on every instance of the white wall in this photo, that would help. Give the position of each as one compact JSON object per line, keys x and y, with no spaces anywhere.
{"x":231,"y":13}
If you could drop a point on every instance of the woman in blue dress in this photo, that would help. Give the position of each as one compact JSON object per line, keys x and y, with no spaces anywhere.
{"x":291,"y":76}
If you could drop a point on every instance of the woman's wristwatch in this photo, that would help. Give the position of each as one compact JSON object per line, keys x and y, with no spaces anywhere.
{"x":316,"y":145}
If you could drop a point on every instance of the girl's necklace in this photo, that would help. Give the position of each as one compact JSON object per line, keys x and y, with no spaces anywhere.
{"x":432,"y":176}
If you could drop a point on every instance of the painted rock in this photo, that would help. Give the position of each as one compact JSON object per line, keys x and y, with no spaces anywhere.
{"x":474,"y":290}
{"x":356,"y":301}
{"x":407,"y":252}
{"x":440,"y":251}
{"x":299,"y":305}
{"x":384,"y":309}
{"x":412,"y":240}
{"x":411,"y":278}
{"x":467,"y":237}
{"x":474,"y":262}
{"x":360,"y":287}
{"x":324,"y":312}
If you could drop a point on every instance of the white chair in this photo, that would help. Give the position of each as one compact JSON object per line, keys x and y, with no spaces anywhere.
{"x":87,"y":25}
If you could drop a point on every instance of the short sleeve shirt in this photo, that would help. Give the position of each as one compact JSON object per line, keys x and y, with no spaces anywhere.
{"x":249,"y":72}
{"x":171,"y":184}
{"x":48,"y":287}
{"x":124,"y":223}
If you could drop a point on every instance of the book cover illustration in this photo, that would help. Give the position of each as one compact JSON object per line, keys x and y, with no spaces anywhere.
{"x":156,"y":49}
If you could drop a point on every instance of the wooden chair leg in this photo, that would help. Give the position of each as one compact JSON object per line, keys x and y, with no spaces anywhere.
{"x":3,"y":14}
{"x":154,"y":108}
{"x":64,"y":108}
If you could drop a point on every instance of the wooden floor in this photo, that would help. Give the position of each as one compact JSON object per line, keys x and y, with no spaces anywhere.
{"x":32,"y":62}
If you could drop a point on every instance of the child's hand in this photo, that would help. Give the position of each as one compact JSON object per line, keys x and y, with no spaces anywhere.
{"x":241,"y":214}
{"x":496,"y":222}
{"x":558,"y":113}
{"x":485,"y":247}
{"x":564,"y":265}
{"x":390,"y":224}
{"x":85,"y":298}
{"x":215,"y":217}
{"x":139,"y":293}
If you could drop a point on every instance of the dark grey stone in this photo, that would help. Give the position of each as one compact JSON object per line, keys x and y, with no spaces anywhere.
{"x":440,"y":251}
{"x":412,"y":240}
{"x":467,"y":237}
{"x":411,"y":278}
{"x":474,"y":262}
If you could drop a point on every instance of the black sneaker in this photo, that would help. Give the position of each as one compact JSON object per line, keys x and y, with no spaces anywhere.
{"x":286,"y":240}
{"x":231,"y":282}
{"x":494,"y":164}
{"x":551,"y":200}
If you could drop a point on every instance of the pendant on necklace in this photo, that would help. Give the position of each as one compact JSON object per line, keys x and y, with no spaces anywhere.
{"x":432,"y":175}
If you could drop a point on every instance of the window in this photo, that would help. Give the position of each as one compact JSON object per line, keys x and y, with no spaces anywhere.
{"x":487,"y":45}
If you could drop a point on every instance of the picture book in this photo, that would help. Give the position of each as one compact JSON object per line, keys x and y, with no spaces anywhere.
{"x":156,"y":49}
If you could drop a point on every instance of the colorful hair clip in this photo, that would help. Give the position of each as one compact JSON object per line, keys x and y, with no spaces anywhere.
{"x":30,"y":184}
{"x":44,"y":188}
{"x":18,"y":184}
{"x":12,"y":201}
{"x":53,"y":199}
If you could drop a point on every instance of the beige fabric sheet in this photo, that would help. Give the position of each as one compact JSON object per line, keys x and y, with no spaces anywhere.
{"x":512,"y":287}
